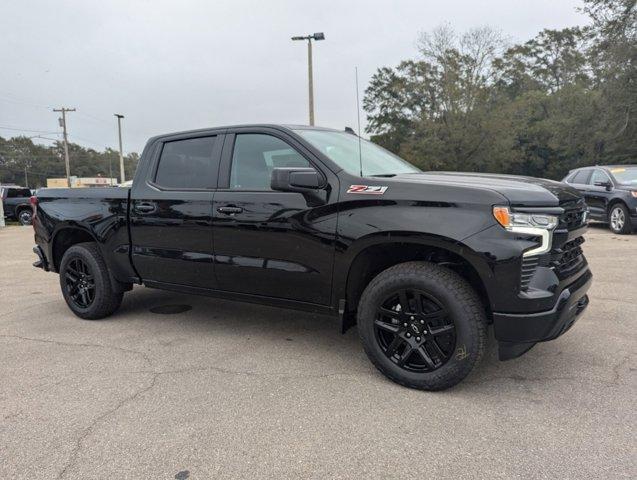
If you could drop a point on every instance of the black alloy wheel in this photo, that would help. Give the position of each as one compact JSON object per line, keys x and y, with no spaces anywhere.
{"x":415,"y":331}
{"x":80,"y":283}
{"x":87,"y":286}
{"x":422,"y":325}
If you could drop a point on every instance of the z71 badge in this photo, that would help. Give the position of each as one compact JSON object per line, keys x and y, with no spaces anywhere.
{"x":367,"y":189}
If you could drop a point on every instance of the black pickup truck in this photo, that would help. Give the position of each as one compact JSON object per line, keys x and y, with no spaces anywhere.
{"x":16,"y":203}
{"x":320,"y":220}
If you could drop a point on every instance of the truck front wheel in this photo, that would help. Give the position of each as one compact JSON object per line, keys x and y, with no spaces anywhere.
{"x":25,"y":216}
{"x":422,"y":325}
{"x":86,"y":284}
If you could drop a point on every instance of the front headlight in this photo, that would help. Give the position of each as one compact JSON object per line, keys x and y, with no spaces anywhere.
{"x":536,"y":224}
{"x":509,"y":219}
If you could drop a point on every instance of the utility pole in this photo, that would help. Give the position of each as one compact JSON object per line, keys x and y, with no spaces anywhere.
{"x":66,"y":142}
{"x":310,"y":75}
{"x":26,"y":178}
{"x":121,"y":154}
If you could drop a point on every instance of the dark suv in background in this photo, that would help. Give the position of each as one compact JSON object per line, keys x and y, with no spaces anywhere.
{"x":610,"y":192}
{"x":16,"y":203}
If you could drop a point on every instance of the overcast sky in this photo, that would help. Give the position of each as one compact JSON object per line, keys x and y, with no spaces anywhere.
{"x":177,"y":65}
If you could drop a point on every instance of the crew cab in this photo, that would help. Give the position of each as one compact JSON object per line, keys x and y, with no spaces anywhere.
{"x":611,"y":194}
{"x":321,"y":220}
{"x":16,"y":203}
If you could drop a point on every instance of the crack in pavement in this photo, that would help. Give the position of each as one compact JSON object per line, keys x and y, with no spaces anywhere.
{"x":90,"y":345}
{"x":617,"y":368}
{"x":227,"y":371}
{"x":607,"y":299}
{"x":88,"y":430}
{"x":615,"y":381}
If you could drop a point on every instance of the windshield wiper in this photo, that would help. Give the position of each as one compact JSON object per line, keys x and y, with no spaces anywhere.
{"x":387,"y":175}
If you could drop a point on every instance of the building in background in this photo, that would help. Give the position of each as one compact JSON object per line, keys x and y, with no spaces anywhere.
{"x":81,"y":182}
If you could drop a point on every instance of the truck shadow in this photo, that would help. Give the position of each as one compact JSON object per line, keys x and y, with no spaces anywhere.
{"x":315,"y":335}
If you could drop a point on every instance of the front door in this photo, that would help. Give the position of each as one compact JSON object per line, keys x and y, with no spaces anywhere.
{"x":270,"y":243}
{"x":171,"y":212}
{"x":597,"y":195}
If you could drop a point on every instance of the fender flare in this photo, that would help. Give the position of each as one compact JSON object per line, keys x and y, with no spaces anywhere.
{"x":343,"y":265}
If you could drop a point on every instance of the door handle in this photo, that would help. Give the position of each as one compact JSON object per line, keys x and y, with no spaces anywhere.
{"x":229,"y":209}
{"x":144,"y":207}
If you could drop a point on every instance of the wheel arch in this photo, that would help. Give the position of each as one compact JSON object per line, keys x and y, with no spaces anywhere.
{"x":19,"y":208}
{"x":613,"y":202}
{"x":65,"y":238}
{"x":376,"y":253}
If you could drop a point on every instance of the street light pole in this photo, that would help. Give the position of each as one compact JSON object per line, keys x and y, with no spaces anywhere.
{"x":310,"y":75}
{"x":121,"y":154}
{"x":310,"y":80}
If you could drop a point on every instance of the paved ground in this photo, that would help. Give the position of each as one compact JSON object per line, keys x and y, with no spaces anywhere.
{"x":229,"y":390}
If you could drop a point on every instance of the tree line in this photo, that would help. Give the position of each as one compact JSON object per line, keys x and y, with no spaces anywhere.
{"x":469,"y":102}
{"x":18,"y":154}
{"x":564,"y":99}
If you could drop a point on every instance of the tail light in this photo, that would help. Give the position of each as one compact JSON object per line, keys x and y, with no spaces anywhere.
{"x":34,"y":206}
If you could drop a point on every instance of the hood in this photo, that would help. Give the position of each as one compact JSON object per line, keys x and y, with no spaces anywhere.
{"x":627,"y":186}
{"x":528,"y":191}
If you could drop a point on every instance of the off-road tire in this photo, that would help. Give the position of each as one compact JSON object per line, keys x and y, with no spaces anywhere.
{"x":455,"y":294}
{"x":106,"y":299}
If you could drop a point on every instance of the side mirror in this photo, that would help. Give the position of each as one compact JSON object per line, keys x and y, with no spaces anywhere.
{"x":606,"y":185}
{"x":307,"y":181}
{"x":299,"y":180}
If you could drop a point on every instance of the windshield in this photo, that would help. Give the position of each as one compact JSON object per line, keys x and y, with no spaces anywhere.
{"x":343,"y":149}
{"x":625,"y":175}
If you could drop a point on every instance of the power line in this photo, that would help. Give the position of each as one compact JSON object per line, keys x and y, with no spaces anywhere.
{"x":22,"y":102}
{"x":18,"y":129}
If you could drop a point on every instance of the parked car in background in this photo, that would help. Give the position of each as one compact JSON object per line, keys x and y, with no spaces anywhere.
{"x":16,"y":203}
{"x":610,"y":192}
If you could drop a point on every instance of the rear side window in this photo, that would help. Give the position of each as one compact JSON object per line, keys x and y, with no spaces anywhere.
{"x":188,"y":164}
{"x":18,"y":192}
{"x":581,"y":177}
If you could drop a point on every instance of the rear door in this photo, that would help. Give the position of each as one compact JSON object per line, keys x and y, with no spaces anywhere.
{"x":271,"y":243}
{"x":171,"y":211}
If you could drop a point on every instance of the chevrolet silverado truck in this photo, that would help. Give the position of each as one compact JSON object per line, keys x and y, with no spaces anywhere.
{"x":321,"y":220}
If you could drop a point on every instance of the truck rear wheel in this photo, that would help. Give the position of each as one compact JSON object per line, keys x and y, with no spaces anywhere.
{"x":422,"y":325}
{"x":86,"y":284}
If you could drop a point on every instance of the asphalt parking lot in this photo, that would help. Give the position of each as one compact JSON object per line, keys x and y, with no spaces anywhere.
{"x":229,"y":390}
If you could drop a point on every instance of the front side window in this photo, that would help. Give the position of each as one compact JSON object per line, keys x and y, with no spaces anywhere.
{"x":599,"y":176}
{"x":188,"y":164}
{"x":354,"y":155}
{"x":254,"y":157}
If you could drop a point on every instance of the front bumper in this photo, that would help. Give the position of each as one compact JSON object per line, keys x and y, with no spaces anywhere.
{"x":519,"y":332}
